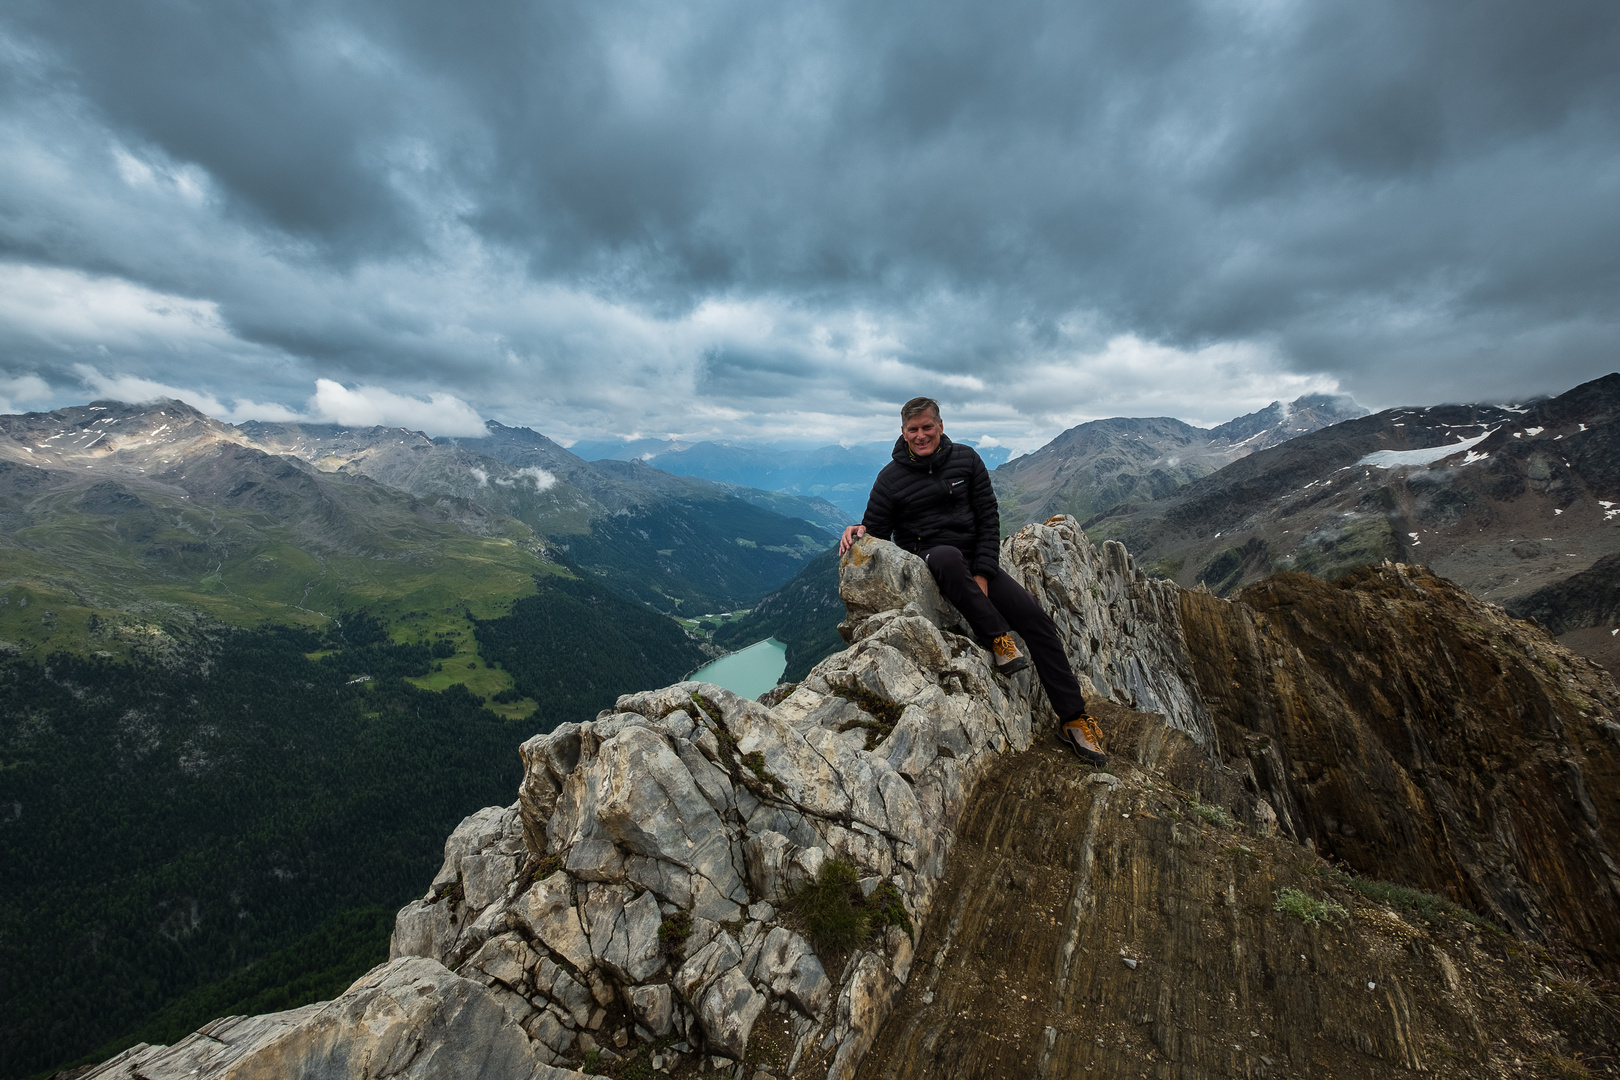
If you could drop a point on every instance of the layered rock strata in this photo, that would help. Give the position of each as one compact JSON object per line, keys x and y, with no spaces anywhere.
{"x":1129,"y":924}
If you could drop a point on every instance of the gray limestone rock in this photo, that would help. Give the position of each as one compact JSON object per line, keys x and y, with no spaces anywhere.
{"x":727,"y":1012}
{"x":422,"y":929}
{"x":877,"y":576}
{"x":546,"y":912}
{"x":648,"y":801}
{"x":505,"y":959}
{"x":485,"y":878}
{"x":632,"y":952}
{"x":409,"y":1019}
{"x":707,"y":964}
{"x":862,"y":1007}
{"x":789,"y":967}
{"x":654,"y":1008}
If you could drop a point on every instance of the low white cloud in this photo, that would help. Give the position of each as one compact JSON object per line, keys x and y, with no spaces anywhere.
{"x":134,"y":388}
{"x":16,"y":390}
{"x":66,"y":308}
{"x":333,"y":403}
{"x":372,"y":406}
{"x":532,"y":474}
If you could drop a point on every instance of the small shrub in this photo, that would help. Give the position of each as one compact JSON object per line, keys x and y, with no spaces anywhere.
{"x":756,"y":765}
{"x":888,"y":909}
{"x":1307,"y":908}
{"x":884,"y":714}
{"x":537,"y":870}
{"x":1214,"y":815}
{"x":832,"y":907}
{"x":673,"y":932}
{"x":1426,"y":904}
{"x":1566,"y":1068}
{"x":593,"y":1063}
{"x":1575,"y":995}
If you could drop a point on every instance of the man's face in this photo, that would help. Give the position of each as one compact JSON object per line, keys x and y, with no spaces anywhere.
{"x":922,"y":433}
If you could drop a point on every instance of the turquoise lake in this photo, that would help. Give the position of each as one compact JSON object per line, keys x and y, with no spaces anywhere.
{"x":747,"y":672}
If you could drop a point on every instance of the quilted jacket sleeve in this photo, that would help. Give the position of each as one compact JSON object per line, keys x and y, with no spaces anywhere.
{"x":879,"y":516}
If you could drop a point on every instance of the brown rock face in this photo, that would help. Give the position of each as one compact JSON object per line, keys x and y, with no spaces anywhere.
{"x":1127,"y":925}
{"x":1386,"y":728}
{"x":1418,"y":735}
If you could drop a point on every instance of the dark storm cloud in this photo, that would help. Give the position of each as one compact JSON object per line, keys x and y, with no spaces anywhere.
{"x":837,"y":202}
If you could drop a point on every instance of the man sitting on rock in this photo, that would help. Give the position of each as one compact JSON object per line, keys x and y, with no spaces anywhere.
{"x":935,"y":500}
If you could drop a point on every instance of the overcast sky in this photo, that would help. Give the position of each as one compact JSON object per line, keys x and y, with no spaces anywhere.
{"x":777,"y":220}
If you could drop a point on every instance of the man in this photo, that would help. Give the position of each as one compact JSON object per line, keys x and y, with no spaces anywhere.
{"x":935,"y":499}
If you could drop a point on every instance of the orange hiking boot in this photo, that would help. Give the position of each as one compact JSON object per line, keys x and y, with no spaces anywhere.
{"x":1084,"y":738}
{"x":1008,"y":658}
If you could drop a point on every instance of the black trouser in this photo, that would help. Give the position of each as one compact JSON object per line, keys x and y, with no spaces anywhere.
{"x":1009,"y":607}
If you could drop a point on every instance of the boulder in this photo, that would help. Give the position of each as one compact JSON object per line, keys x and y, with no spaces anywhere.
{"x":409,"y":1019}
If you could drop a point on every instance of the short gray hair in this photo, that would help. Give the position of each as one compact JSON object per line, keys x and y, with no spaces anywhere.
{"x":917,"y":406}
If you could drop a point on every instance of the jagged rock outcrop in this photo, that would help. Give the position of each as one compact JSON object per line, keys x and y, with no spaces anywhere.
{"x":635,"y":898}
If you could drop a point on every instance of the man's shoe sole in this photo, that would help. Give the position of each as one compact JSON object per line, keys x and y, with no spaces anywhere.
{"x":1013,"y":666}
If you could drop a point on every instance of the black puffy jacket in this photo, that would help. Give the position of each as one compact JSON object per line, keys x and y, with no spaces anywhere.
{"x":944,"y":498}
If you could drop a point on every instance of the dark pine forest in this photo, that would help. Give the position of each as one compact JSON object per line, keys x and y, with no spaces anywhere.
{"x":232,"y":833}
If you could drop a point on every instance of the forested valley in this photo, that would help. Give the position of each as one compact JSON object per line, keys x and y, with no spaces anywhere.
{"x":231,"y":830}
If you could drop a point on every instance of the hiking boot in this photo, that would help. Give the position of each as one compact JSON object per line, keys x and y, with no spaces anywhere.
{"x":1008,"y":659}
{"x":1084,"y":738}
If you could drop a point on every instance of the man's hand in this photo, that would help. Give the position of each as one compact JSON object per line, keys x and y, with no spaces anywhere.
{"x":851,"y":534}
{"x":984,"y":585}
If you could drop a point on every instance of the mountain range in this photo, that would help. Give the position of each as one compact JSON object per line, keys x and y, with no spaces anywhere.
{"x":141,"y":515}
{"x":268,"y":666}
{"x":1517,"y":503}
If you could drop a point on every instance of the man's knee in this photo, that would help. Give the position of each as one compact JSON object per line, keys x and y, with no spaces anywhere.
{"x":945,"y":560}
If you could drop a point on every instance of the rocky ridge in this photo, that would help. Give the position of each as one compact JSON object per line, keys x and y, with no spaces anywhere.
{"x":1392,"y":722}
{"x":1096,"y":466}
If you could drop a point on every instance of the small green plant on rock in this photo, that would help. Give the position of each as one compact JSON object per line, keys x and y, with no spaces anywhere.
{"x":756,"y":765}
{"x":832,"y":907}
{"x":1567,"y":1068}
{"x":1214,"y":815}
{"x":673,"y":932}
{"x":1431,"y":907}
{"x":884,"y":714}
{"x":838,"y":915}
{"x":1307,"y":908}
{"x":888,"y":909}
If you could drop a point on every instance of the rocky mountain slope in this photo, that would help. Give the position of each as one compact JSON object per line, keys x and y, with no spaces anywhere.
{"x":1098,"y":465}
{"x":1505,"y":501}
{"x":1217,"y":902}
{"x":124,"y":522}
